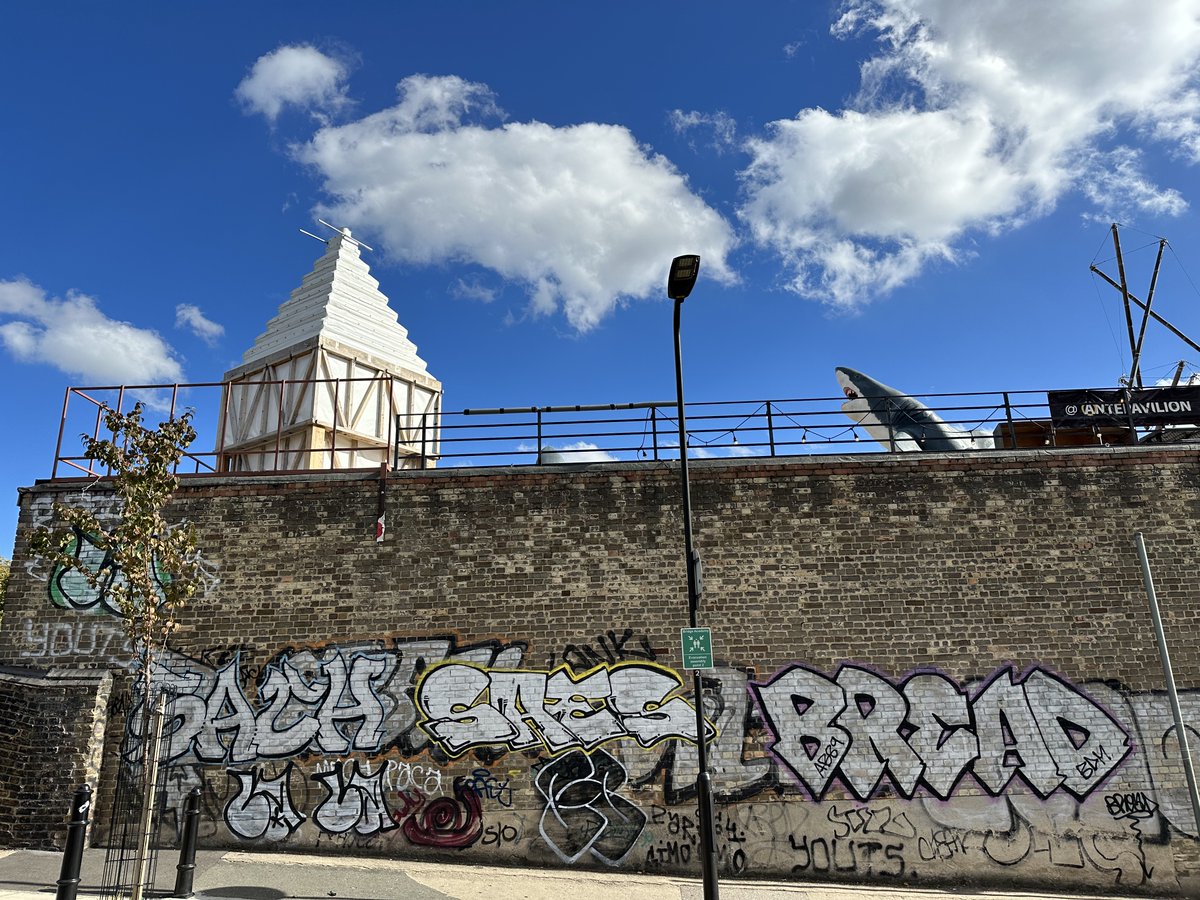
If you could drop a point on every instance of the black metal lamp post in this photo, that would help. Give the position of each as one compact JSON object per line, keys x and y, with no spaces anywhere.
{"x":682,"y":279}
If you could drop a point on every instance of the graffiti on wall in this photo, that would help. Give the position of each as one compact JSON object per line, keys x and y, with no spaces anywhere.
{"x":71,"y":589}
{"x":330,"y":702}
{"x":925,"y":730}
{"x":446,"y":822}
{"x":465,"y":707}
{"x":97,"y":638}
{"x":738,"y":770}
{"x":355,"y":800}
{"x":609,"y":647}
{"x":395,"y":743}
{"x":68,"y":588}
{"x":262,"y":806}
{"x":583,"y":812}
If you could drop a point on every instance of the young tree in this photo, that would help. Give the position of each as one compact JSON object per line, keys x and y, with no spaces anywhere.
{"x":150,"y":568}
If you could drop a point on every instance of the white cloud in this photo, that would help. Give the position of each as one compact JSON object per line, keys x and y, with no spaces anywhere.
{"x":473,"y":290}
{"x":1186,"y":380}
{"x":297,"y":75}
{"x":735,"y":451}
{"x":1120,"y":190}
{"x":741,"y":451}
{"x":581,"y":216}
{"x":974,"y":116}
{"x":722,"y":126}
{"x":74,"y":336}
{"x":190,"y":317}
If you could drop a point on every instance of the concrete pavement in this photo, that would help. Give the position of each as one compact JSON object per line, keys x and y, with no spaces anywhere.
{"x":233,"y":875}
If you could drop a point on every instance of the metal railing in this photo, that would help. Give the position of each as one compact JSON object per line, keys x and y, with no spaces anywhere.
{"x":211,"y":406}
{"x":743,"y":428}
{"x":599,"y":433}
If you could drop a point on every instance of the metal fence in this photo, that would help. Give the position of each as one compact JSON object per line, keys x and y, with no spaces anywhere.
{"x":746,"y":428}
{"x":213,"y":451}
{"x":142,"y":753}
{"x":608,"y":432}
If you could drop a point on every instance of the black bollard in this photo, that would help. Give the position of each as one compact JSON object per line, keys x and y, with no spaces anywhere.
{"x":68,"y":877}
{"x":185,"y":872}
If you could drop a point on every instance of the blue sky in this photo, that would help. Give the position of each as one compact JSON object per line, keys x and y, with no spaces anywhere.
{"x":914,"y":188}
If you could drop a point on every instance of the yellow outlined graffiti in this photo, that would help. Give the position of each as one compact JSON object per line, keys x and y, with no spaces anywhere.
{"x":464,"y":706}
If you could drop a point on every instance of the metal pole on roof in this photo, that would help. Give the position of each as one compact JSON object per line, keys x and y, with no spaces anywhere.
{"x":1165,"y":656}
{"x":1151,"y":313}
{"x":1133,"y":374}
{"x":1136,"y":367}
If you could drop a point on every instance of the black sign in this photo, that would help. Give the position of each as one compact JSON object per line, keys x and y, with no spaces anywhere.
{"x":1147,"y":406}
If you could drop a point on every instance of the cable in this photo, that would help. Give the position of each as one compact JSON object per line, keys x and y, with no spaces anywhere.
{"x":1108,"y":322}
{"x":1183,"y":269}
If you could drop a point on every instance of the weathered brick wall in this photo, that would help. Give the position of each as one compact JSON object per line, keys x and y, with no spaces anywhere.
{"x":52,"y":729}
{"x":934,"y":669}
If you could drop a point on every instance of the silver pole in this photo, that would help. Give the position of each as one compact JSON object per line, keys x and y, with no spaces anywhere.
{"x":1180,"y":732}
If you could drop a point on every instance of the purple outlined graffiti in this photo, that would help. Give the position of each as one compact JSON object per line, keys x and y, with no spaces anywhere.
{"x":925,"y":730}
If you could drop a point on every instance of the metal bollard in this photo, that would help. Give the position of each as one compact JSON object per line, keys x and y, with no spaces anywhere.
{"x":185,"y":872}
{"x":68,"y":877}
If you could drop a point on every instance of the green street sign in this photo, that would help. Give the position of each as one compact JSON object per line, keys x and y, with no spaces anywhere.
{"x":697,"y":648}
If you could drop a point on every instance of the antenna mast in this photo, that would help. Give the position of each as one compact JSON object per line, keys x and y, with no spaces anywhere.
{"x":1127,"y":298}
{"x":344,"y":232}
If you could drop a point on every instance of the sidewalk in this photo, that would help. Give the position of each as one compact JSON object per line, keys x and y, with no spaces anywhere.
{"x":233,"y":875}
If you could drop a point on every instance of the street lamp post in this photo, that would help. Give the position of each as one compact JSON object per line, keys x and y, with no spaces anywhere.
{"x":682,"y":279}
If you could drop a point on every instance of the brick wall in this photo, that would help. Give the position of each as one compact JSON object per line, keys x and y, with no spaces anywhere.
{"x":52,"y":729}
{"x":345,"y":693}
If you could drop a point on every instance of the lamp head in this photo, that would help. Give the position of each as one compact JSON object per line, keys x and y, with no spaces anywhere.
{"x":682,"y":279}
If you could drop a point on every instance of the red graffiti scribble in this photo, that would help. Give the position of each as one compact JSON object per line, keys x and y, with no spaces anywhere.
{"x":447,"y":823}
{"x":412,"y":800}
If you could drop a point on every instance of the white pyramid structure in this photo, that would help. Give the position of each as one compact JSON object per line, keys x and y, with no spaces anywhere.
{"x":334,"y":382}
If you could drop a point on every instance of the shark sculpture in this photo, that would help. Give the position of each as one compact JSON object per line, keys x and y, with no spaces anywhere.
{"x":900,"y":422}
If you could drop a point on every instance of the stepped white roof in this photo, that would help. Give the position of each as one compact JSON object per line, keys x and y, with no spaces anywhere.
{"x":339,"y":302}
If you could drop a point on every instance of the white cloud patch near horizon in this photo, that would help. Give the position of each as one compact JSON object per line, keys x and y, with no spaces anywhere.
{"x":973,"y":117}
{"x":574,"y":452}
{"x":77,"y":338}
{"x":298,"y":76}
{"x":191,"y":317}
{"x":581,"y":216}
